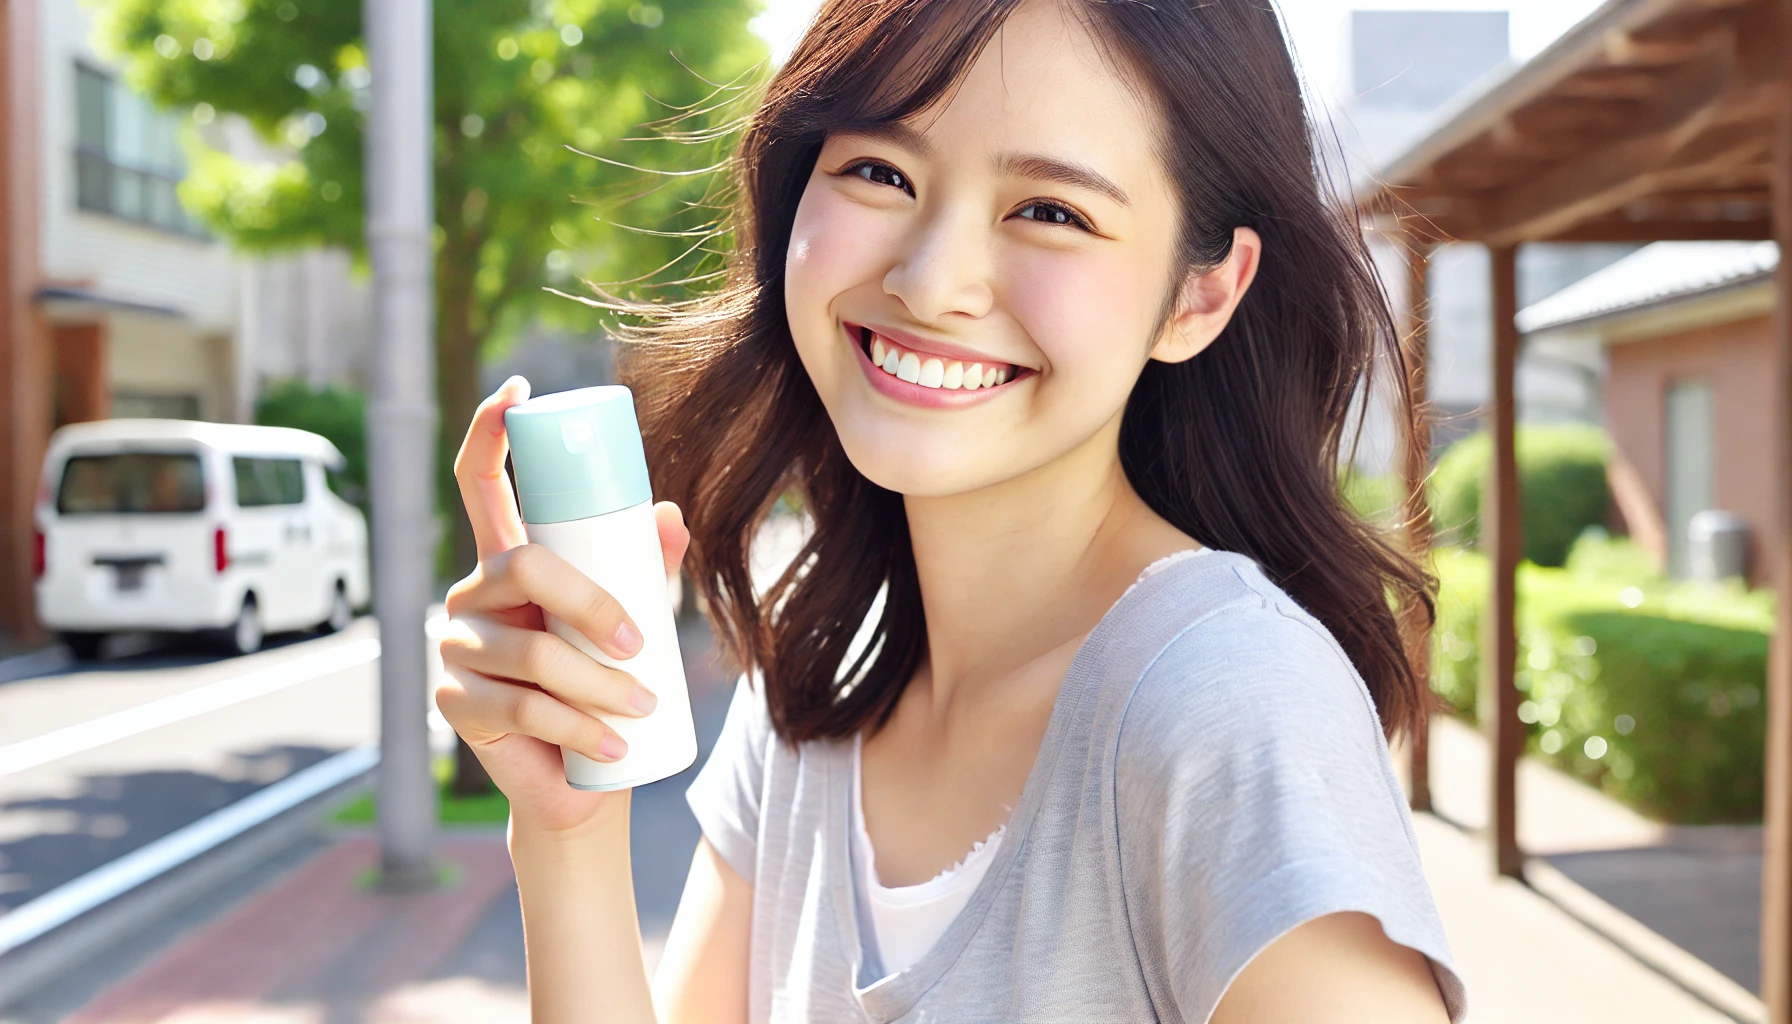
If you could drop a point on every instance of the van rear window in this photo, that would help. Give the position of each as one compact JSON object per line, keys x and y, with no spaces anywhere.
{"x":131,"y":482}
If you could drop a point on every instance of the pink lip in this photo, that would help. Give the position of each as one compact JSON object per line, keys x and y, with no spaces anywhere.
{"x":914,"y":394}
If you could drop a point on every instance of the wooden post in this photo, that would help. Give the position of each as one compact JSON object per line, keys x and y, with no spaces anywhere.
{"x":1776,"y":862}
{"x":1501,"y":538}
{"x":1418,"y":509}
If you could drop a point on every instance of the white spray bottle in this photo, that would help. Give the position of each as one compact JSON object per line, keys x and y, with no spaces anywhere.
{"x":581,"y":479}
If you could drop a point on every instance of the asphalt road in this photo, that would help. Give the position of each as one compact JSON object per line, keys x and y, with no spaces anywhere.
{"x":99,"y":759}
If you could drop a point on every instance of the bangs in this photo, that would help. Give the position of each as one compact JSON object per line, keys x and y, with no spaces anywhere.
{"x":873,"y":63}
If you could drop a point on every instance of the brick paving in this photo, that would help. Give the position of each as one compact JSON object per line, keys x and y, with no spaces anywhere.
{"x":320,"y":945}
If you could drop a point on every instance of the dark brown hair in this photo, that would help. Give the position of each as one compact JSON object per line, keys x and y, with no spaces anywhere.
{"x":1238,"y":447}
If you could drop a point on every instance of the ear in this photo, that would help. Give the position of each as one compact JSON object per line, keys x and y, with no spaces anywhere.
{"x":1208,"y":300}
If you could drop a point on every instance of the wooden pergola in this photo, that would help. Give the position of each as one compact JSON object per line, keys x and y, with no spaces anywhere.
{"x":1651,"y":120}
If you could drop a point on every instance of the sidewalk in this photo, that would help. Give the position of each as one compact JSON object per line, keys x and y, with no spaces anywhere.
{"x":319,"y":946}
{"x":1526,"y":959}
{"x":303,"y":941}
{"x":1697,"y":886}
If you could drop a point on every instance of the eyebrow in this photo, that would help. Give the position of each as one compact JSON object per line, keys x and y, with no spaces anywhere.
{"x":1024,"y":165}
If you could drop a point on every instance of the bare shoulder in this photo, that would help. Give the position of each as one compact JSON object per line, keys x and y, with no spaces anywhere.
{"x":1337,"y":969}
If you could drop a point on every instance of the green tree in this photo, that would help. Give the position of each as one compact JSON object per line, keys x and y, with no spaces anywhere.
{"x":534,"y":100}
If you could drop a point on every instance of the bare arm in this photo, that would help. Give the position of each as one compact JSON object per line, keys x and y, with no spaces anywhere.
{"x":580,"y":931}
{"x":1336,"y":969}
{"x":702,"y":976}
{"x":517,"y":693}
{"x":584,"y":939}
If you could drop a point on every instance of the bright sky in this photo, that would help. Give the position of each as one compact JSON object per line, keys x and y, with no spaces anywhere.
{"x":1319,"y":28}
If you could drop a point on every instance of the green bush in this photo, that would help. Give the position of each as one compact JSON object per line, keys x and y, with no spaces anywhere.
{"x":1379,"y":499}
{"x":1651,"y":690}
{"x":337,"y":413}
{"x":1561,"y":484}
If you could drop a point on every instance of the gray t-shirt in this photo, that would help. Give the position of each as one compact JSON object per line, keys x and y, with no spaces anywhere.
{"x":1213,"y":774}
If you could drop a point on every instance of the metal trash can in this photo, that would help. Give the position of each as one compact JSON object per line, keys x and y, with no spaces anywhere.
{"x":1717,"y":545}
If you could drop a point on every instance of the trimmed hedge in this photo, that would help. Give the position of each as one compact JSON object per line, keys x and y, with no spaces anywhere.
{"x":1651,"y":690}
{"x":1561,"y":484}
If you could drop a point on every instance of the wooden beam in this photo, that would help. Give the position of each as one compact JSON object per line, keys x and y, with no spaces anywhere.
{"x":1502,"y":536}
{"x":1581,"y":47}
{"x":1776,"y":861}
{"x":1416,"y":350}
{"x":1608,"y":177}
{"x":1676,"y":230}
{"x":1631,"y":48}
{"x":1608,"y":84}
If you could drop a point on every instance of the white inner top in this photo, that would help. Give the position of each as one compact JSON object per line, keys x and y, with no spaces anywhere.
{"x":906,"y":920}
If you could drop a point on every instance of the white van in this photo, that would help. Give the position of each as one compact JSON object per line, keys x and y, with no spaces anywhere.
{"x":173,"y":525}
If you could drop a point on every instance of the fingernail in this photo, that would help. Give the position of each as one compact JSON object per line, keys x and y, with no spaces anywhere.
{"x":643,"y":699}
{"x":612,"y":747}
{"x":628,"y":638}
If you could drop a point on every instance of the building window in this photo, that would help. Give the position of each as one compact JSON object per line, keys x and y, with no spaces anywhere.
{"x":128,"y":158}
{"x":1690,"y":451}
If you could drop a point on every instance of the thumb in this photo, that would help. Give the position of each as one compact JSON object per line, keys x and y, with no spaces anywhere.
{"x":675,"y":539}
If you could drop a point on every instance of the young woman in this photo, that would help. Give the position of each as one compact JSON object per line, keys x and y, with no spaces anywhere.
{"x":1075,"y":707}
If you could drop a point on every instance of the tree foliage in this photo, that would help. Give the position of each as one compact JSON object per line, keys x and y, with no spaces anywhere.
{"x":538,"y":103}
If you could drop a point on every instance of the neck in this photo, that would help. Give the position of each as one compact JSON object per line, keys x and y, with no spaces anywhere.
{"x":1013,"y":572}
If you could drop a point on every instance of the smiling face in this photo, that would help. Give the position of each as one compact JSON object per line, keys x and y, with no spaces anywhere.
{"x":973,"y":291}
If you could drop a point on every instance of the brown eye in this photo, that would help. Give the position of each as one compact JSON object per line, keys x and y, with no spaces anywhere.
{"x":882,"y":174}
{"x":1052,"y":213}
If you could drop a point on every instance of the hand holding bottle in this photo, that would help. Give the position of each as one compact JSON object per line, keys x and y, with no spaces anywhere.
{"x":514,"y":691}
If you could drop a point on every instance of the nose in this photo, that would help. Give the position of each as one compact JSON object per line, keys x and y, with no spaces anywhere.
{"x":945,"y":269}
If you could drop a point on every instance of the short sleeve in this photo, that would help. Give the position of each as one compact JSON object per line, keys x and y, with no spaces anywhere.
{"x":1254,"y":793}
{"x":725,"y":794}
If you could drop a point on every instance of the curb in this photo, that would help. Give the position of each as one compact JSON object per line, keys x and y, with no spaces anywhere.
{"x":41,"y":662}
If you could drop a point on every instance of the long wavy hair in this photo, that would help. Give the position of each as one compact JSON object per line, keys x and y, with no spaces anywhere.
{"x":1238,"y":447}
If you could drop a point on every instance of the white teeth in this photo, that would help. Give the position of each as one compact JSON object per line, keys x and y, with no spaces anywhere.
{"x":932,"y":373}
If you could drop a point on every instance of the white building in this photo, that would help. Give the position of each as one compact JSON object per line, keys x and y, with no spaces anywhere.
{"x":148,"y":314}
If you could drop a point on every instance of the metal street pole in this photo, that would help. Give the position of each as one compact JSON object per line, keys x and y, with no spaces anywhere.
{"x":401,"y":423}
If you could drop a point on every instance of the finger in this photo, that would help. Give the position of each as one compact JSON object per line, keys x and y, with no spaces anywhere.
{"x":483,"y":710}
{"x":495,"y":649}
{"x":532,"y":574}
{"x":675,"y":539}
{"x":479,"y":470}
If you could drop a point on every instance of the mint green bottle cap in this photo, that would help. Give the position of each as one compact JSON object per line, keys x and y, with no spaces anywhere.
{"x":577,"y":454}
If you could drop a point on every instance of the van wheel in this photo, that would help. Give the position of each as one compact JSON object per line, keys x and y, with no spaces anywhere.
{"x":244,"y":635}
{"x":84,"y":646}
{"x":341,"y":613}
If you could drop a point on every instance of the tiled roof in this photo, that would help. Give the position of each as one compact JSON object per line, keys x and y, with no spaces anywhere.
{"x":1659,"y":273}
